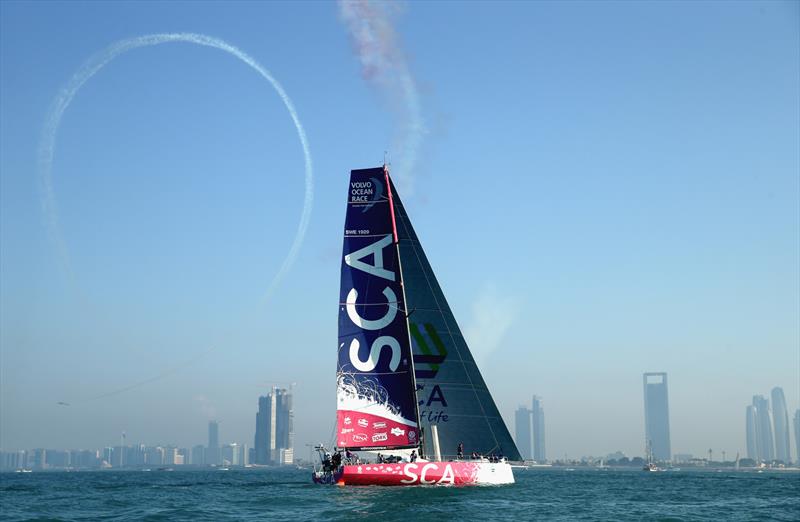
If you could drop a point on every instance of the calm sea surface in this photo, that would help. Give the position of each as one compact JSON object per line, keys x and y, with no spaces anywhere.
{"x":280,"y":494}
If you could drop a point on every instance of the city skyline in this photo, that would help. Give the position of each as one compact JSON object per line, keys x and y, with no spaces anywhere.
{"x":755,"y":445}
{"x":645,"y":220}
{"x":767,"y":429}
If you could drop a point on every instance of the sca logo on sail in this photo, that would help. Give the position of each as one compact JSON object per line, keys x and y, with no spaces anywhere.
{"x":356,"y":260}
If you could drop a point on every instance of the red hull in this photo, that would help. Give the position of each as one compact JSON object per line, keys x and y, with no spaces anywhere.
{"x":407,"y":474}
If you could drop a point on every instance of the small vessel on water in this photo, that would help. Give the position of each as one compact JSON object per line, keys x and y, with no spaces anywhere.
{"x":650,"y":466}
{"x":407,"y":384}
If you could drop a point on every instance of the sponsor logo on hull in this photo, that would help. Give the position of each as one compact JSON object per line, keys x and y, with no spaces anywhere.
{"x":369,"y":430}
{"x":427,"y":473}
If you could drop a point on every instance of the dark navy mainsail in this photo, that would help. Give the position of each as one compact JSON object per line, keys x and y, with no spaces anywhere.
{"x":376,"y":406}
{"x":450,"y":389}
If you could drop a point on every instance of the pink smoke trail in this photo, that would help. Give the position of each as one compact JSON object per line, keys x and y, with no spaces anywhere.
{"x":385,"y":67}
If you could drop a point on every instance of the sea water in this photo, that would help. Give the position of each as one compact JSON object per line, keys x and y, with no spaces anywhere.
{"x":288,"y":494}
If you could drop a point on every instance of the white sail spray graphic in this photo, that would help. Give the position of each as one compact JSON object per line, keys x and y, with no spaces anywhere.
{"x":100,"y":60}
{"x":384,"y":65}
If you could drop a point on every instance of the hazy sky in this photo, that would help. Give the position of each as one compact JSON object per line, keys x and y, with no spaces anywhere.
{"x":603,"y":189}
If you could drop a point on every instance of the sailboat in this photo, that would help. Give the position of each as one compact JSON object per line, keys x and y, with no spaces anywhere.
{"x":650,"y":466}
{"x":407,"y":385}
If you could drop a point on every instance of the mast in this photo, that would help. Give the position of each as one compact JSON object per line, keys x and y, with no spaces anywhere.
{"x":421,"y":447}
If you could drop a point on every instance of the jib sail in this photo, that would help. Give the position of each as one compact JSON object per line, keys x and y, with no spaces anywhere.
{"x":376,"y":406}
{"x":450,"y":389}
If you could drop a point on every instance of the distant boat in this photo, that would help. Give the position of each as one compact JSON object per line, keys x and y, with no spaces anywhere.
{"x":406,"y":380}
{"x":650,"y":466}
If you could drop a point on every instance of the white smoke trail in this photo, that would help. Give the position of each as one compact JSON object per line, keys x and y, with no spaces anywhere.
{"x":493,"y":313}
{"x":384,"y":65}
{"x":100,"y":60}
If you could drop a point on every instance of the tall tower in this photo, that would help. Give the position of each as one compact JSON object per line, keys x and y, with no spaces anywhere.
{"x":537,"y":420}
{"x":766,"y":446}
{"x":797,"y":433}
{"x":522,"y":423}
{"x":656,"y":414}
{"x":780,"y":423}
{"x":284,"y":427}
{"x":274,"y":441}
{"x":752,"y":433}
{"x":213,"y":453}
{"x":261,"y":446}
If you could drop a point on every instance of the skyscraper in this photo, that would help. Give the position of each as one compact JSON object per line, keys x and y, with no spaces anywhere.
{"x":752,"y":433}
{"x":274,"y":440}
{"x":656,"y":415}
{"x":537,"y":421}
{"x":213,"y":453}
{"x":522,"y":423}
{"x":263,"y":416}
{"x":780,"y":423}
{"x":766,"y":446}
{"x":797,"y":434}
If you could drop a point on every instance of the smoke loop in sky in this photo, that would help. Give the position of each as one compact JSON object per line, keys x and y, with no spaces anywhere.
{"x":91,"y":67}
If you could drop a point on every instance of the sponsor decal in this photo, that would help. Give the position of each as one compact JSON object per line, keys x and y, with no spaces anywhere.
{"x":347,"y":420}
{"x":360,"y":437}
{"x":379,"y":437}
{"x":363,"y":423}
{"x":347,"y":430}
{"x":377,"y":425}
{"x":398,"y":432}
{"x":429,"y":353}
{"x":448,"y":476}
{"x":426,"y":363}
{"x":366,"y":192}
{"x":412,"y":435}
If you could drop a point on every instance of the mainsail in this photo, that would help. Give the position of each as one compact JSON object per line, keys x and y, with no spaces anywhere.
{"x":376,"y":406}
{"x":450,"y":389}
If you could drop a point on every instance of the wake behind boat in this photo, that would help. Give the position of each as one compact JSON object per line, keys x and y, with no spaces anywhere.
{"x":407,"y":383}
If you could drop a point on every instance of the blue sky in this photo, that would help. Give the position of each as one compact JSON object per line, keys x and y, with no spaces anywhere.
{"x":603,"y":189}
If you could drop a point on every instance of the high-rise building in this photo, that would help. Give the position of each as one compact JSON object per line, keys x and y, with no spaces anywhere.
{"x":537,"y":422}
{"x":752,"y":433}
{"x":213,"y":453}
{"x":766,"y":446}
{"x":245,"y":458}
{"x":780,"y":423}
{"x":274,"y":440}
{"x":797,"y":434}
{"x":284,"y":429}
{"x":261,"y":445}
{"x":198,"y":455}
{"x":656,"y":415}
{"x":522,"y":423}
